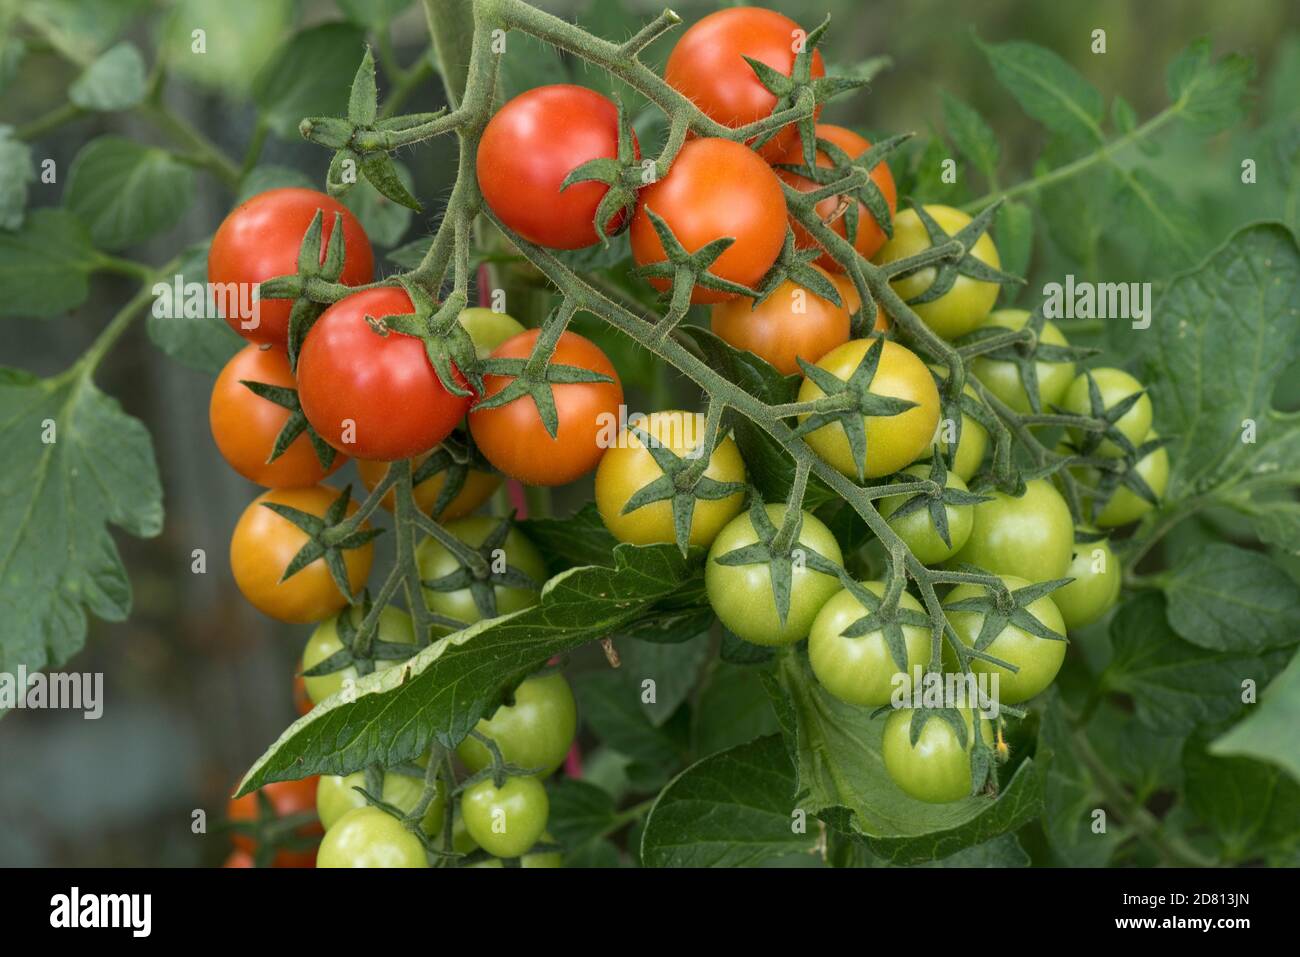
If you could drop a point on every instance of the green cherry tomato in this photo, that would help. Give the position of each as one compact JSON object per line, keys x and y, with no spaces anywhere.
{"x":435,"y":561}
{"x":1095,"y":589}
{"x":336,"y":794}
{"x":505,"y":821}
{"x":937,"y":769}
{"x":394,"y":626}
{"x":741,"y":595}
{"x":533,"y":730}
{"x":1125,"y":505}
{"x":972,"y":442}
{"x":862,"y":670}
{"x":488,"y":329}
{"x":1037,"y":659}
{"x":540,"y":859}
{"x":1031,"y":537}
{"x":1002,"y":378}
{"x":960,"y":309}
{"x":368,"y":837}
{"x":1114,"y":385}
{"x":916,"y":528}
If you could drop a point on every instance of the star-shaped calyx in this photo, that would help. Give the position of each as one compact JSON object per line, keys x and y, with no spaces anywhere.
{"x":982,"y":756}
{"x":937,"y":499}
{"x":287,"y":398}
{"x":1001,"y":607}
{"x":361,"y":649}
{"x":1113,"y":474}
{"x":622,"y":174}
{"x":1024,"y":354}
{"x":479,"y":566}
{"x":328,"y":537}
{"x":447,"y":345}
{"x":796,"y":265}
{"x":947,"y":271}
{"x":886,"y":618}
{"x":1110,"y":415}
{"x":454,"y":460}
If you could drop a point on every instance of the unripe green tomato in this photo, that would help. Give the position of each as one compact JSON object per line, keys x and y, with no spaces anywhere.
{"x":973,"y":441}
{"x":368,"y":837}
{"x":1038,"y":659}
{"x":741,"y":595}
{"x":488,"y":329}
{"x":394,"y":626}
{"x":534,"y":731}
{"x":505,"y":821}
{"x":1115,"y":385}
{"x":1031,"y":536}
{"x":1002,"y":378}
{"x":540,"y":859}
{"x":960,"y":309}
{"x":862,"y":670}
{"x":1095,"y":589}
{"x":1125,"y":505}
{"x":435,"y":561}
{"x":937,"y":769}
{"x":336,"y":795}
{"x":916,"y":528}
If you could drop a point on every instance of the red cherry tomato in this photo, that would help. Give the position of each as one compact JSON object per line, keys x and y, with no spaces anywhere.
{"x":260,"y":240}
{"x":370,"y":395}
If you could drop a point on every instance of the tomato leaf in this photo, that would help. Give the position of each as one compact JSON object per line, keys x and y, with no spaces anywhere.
{"x":1070,"y":797}
{"x":733,"y":709}
{"x":58,"y":491}
{"x":262,"y":178}
{"x":1014,"y":233}
{"x":1047,"y":88}
{"x":1229,"y":599}
{"x":972,"y":137}
{"x":126,"y":192}
{"x":1268,"y":732}
{"x":1209,"y":96}
{"x":16,"y":161}
{"x":372,"y":13}
{"x":303,"y":79}
{"x":673,"y":668}
{"x":1253,"y":808}
{"x":114,"y":81}
{"x":733,"y":809}
{"x":198,"y":339}
{"x":45,"y":265}
{"x":610,"y":702}
{"x":385,"y":221}
{"x":581,"y":539}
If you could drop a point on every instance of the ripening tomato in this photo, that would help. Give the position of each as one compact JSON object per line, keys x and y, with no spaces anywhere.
{"x":792,"y":323}
{"x":973,"y":440}
{"x":260,"y":239}
{"x":1030,"y":536}
{"x":239,"y":859}
{"x":533,"y":729}
{"x":370,"y":395}
{"x":1114,"y":386}
{"x":539,"y":859}
{"x":488,"y":328}
{"x":513,"y":437}
{"x":861,"y":669}
{"x":528,"y":148}
{"x":628,"y":467}
{"x":264,"y":543}
{"x":708,"y":66}
{"x":1125,"y":505}
{"x":370,"y":837}
{"x":870,"y":236}
{"x":287,"y":799}
{"x":477,"y":488}
{"x":853,"y":302}
{"x":892,"y":441}
{"x":1097,"y":577}
{"x":302,"y":702}
{"x":1002,"y":378}
{"x":960,"y":309}
{"x":245,"y":425}
{"x":937,"y":768}
{"x":715,"y":189}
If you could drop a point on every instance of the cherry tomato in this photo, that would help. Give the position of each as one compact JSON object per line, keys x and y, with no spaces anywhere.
{"x":488,"y":328}
{"x":1037,"y":659}
{"x":505,"y":821}
{"x":869,"y":237}
{"x":892,"y":441}
{"x":853,"y":302}
{"x":337,"y":794}
{"x":534,"y":729}
{"x":260,"y":240}
{"x":861,"y":670}
{"x":287,"y":799}
{"x":245,"y":425}
{"x":540,"y":859}
{"x":1124,"y":505}
{"x":715,"y":189}
{"x":370,"y":395}
{"x":477,"y":489}
{"x":1115,"y":385}
{"x":369,"y":837}
{"x":708,"y":66}
{"x":528,"y":148}
{"x":1002,"y":378}
{"x":741,"y":595}
{"x":394,"y":627}
{"x":960,"y":309}
{"x":793,"y":323}
{"x":1095,"y":589}
{"x":1031,"y":537}
{"x":264,"y":543}
{"x":972,"y":442}
{"x":513,"y":436}
{"x":628,"y":467}
{"x":916,"y":528}
{"x":937,"y":770}
{"x":435,"y":561}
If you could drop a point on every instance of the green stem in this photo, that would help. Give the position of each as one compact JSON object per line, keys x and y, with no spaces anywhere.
{"x":206,"y":153}
{"x":50,"y":121}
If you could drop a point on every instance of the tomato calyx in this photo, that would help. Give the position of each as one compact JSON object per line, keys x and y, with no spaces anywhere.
{"x":796,"y":265}
{"x":885,"y":615}
{"x":447,"y":344}
{"x":1108,"y":416}
{"x":1003,"y":607}
{"x":272,"y":833}
{"x":328,"y":536}
{"x":287,"y":398}
{"x":850,"y":180}
{"x":936,"y":497}
{"x":455,"y":461}
{"x":982,"y":757}
{"x":949,"y":256}
{"x":1116,"y":473}
{"x":361,"y":649}
{"x":1024,"y":348}
{"x":482,"y":569}
{"x":623,"y":175}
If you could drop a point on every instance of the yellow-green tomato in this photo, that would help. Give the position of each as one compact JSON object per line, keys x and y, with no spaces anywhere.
{"x":937,"y":768}
{"x":533,"y":730}
{"x":1037,"y":659}
{"x":436,"y":561}
{"x":1125,"y":505}
{"x":337,"y":794}
{"x":917,"y":528}
{"x":1002,"y":378}
{"x":488,"y":329}
{"x":960,"y":309}
{"x":369,"y":837}
{"x":862,"y":670}
{"x":1030,"y":536}
{"x":1095,"y":589}
{"x":505,"y":821}
{"x":394,"y":626}
{"x":540,"y":859}
{"x":893,"y":441}
{"x":741,"y":595}
{"x":629,"y":467}
{"x":1113,"y":385}
{"x":972,"y":442}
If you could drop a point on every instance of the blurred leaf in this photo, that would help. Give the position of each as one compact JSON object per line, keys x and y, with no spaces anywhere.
{"x":1079,"y":210}
{"x":304,"y":79}
{"x":410,"y":255}
{"x":81,"y":28}
{"x":733,"y":709}
{"x":1047,"y":88}
{"x":926,"y":176}
{"x":1229,"y":599}
{"x":126,"y":192}
{"x":1252,"y":808}
{"x":1268,"y":732}
{"x":372,"y":13}
{"x":580,"y":811}
{"x":1070,"y":797}
{"x":1156,"y":224}
{"x":972,"y":136}
{"x":45,"y":265}
{"x":1121,"y":112}
{"x":1209,"y":95}
{"x":385,"y":221}
{"x":204,"y":342}
{"x":1013,"y":233}
{"x":12,"y":51}
{"x":115,"y":81}
{"x":262,"y":178}
{"x":1145,"y":760}
{"x":239,"y":38}
{"x":610,"y":704}
{"x":673,"y":668}
{"x":1002,"y":851}
{"x":529,"y":63}
{"x":16,"y":161}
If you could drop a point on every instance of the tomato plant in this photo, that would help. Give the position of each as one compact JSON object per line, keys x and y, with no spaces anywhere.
{"x":476,"y":485}
{"x":914,"y":522}
{"x":494,"y":585}
{"x":1030,"y":535}
{"x":337,"y":794}
{"x":1005,"y":380}
{"x":327,"y":642}
{"x":1118,"y":394}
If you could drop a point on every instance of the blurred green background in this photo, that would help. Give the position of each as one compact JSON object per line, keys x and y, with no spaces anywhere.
{"x":198,"y":684}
